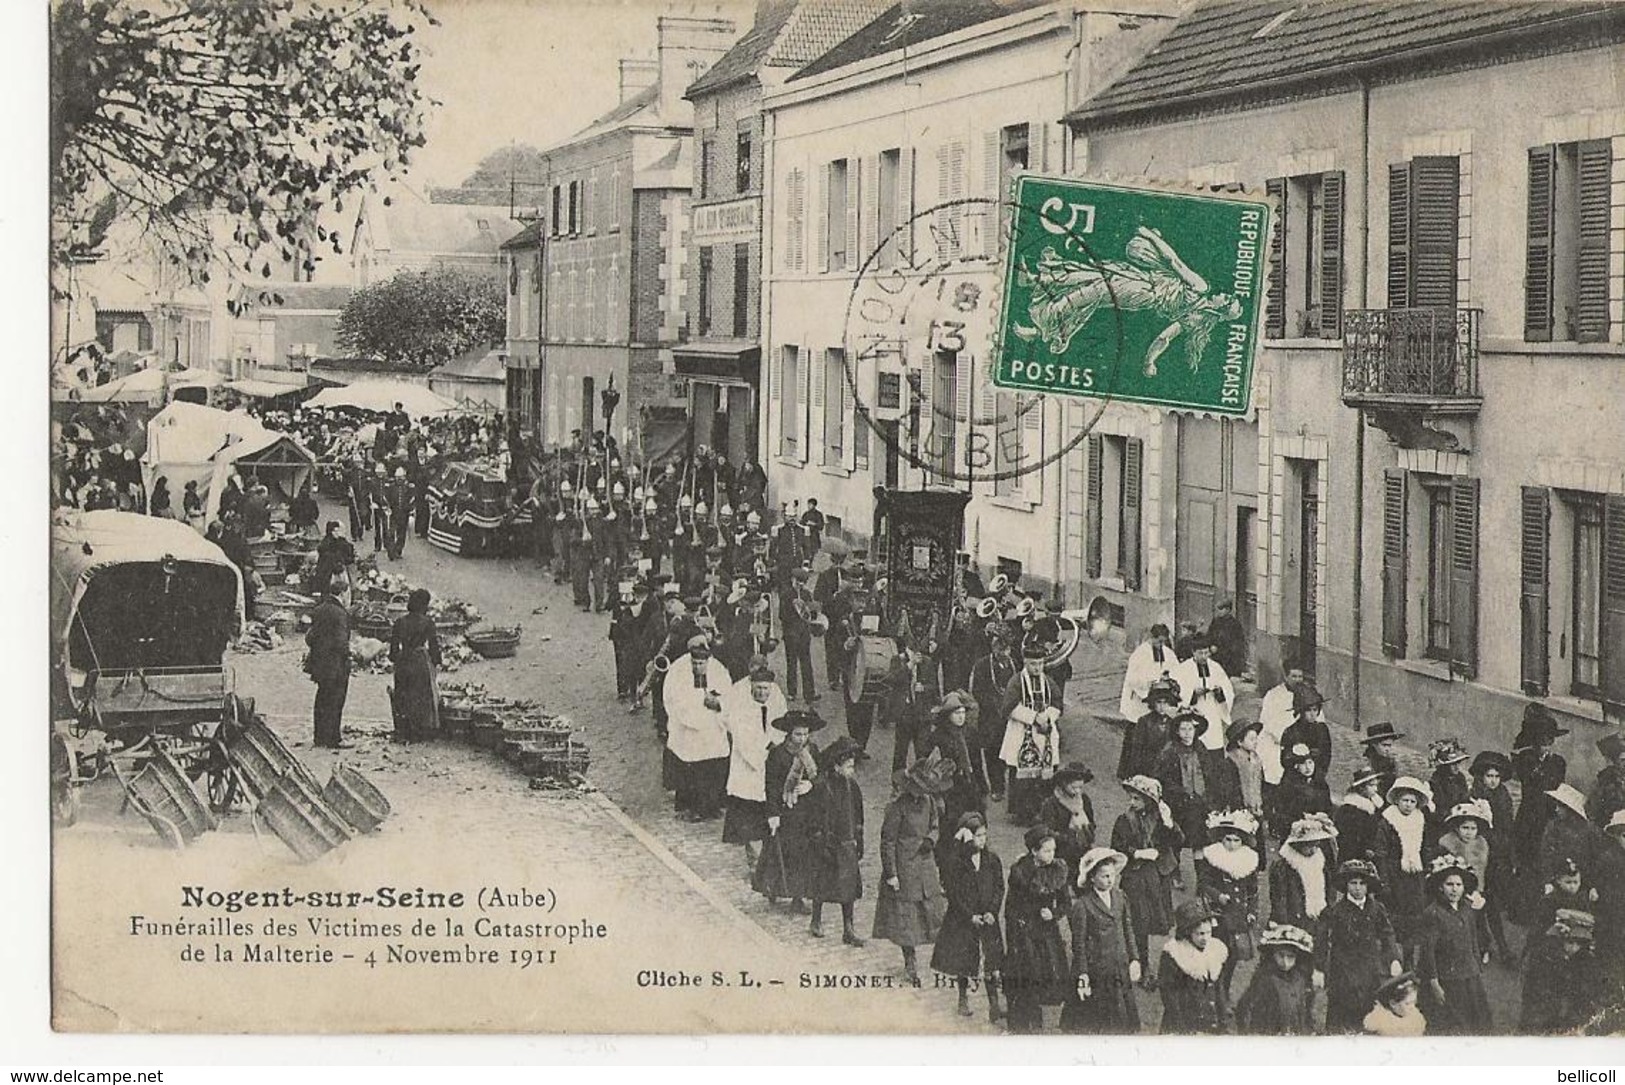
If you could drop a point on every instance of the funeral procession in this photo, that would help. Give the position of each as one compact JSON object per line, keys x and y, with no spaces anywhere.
{"x":940,"y":516}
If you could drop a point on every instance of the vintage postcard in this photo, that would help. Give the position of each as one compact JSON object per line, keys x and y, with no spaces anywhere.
{"x":940,"y":517}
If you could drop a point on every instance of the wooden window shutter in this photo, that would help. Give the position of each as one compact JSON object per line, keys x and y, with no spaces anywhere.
{"x":1275,"y":300}
{"x":1092,"y":507}
{"x":1435,"y":228}
{"x":1591,"y":296}
{"x":905,"y":206}
{"x":1394,"y":538}
{"x":1399,"y":236}
{"x":854,"y":192}
{"x":795,"y":242}
{"x":1537,"y":275}
{"x":860,"y":417}
{"x":959,"y":424}
{"x":847,"y":447}
{"x":822,"y":200}
{"x":869,"y":220}
{"x":1133,"y":481}
{"x":1331,"y":254}
{"x":1464,"y":576}
{"x":820,"y":399}
{"x":785,"y":403}
{"x":1534,"y":605}
{"x":1032,"y":448}
{"x":806,"y":365}
{"x":1613,"y":601}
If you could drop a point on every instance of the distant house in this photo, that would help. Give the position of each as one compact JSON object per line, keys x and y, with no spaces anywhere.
{"x":476,"y":380}
{"x":411,"y":233}
{"x":351,"y":370}
{"x":305,"y":322}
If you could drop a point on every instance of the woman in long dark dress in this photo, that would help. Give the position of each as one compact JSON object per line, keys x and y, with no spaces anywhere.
{"x":784,"y":868}
{"x":1103,"y":950}
{"x":910,"y":907}
{"x":414,"y":649}
{"x":1036,"y":973}
{"x":969,"y":944}
{"x":1147,"y":834}
{"x":835,"y":824}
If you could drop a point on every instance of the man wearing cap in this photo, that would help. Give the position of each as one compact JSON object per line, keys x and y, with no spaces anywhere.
{"x":697,"y":734}
{"x":752,"y":704}
{"x":1150,"y":661}
{"x":1228,"y":637}
{"x":1207,"y":691}
{"x":795,"y":601}
{"x":1031,"y":709}
{"x":398,"y":496}
{"x":990,"y":676}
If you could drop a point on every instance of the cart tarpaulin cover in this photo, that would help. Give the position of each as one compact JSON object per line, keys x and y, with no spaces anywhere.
{"x":382,"y":396}
{"x":187,"y":442}
{"x":135,"y":592}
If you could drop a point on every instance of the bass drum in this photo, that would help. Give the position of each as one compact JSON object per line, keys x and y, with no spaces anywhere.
{"x":871,"y":663}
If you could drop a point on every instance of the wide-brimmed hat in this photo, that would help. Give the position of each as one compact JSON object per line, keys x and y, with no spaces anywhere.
{"x":1573,"y":925}
{"x":1241,"y":822}
{"x":1306,"y":697}
{"x":1356,"y":868}
{"x":1376,"y":732}
{"x":1485,"y":760}
{"x":1071,"y":771}
{"x":1616,"y":824}
{"x":1571,"y":797}
{"x":1539,"y":726}
{"x":842,"y":749}
{"x":1477,"y":810}
{"x":1611,"y":745}
{"x":1147,"y":787}
{"x":1312,"y":828}
{"x":1445,"y":865}
{"x":1093,"y":858}
{"x":1446,"y":751}
{"x":1189,"y":915}
{"x":1394,"y":989}
{"x":1164,"y":689}
{"x":1238,"y":730}
{"x":1365,"y":776}
{"x":1412,"y":784}
{"x":931,"y":775}
{"x":798,"y":717}
{"x":1195,"y":717}
{"x":1286,"y":936}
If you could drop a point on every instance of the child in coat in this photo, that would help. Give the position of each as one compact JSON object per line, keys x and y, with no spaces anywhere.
{"x":1450,"y":783}
{"x":1448,"y":961}
{"x":1227,"y":882}
{"x":969,"y":944}
{"x":1489,"y":771}
{"x":1379,"y":746}
{"x":1397,"y":1011}
{"x":1561,"y":988}
{"x":1402,"y":856}
{"x":1564,"y":888}
{"x":1358,"y":816}
{"x":1466,"y":837}
{"x":1104,"y":964}
{"x":1280,"y":999}
{"x":1301,"y":882}
{"x":1193,"y":999}
{"x":1148,"y":835}
{"x":1302,"y":792}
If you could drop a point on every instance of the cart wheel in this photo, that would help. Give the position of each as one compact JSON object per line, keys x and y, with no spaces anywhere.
{"x":64,"y":793}
{"x":222,"y":785}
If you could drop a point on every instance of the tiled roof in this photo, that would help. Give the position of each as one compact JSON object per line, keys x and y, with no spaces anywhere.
{"x":1225,"y":48}
{"x":526,"y":238}
{"x":904,"y":25}
{"x":645,"y":100}
{"x":308,"y":295}
{"x":411,"y":224}
{"x":480,"y":363}
{"x":787,"y":34}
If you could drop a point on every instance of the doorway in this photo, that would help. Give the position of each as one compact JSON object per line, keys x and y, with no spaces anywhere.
{"x":1216,"y":529}
{"x":1300,"y":580}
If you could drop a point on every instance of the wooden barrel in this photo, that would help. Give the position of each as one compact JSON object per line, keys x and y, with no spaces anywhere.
{"x":166,"y":798}
{"x":871,"y":662}
{"x":354,"y":798}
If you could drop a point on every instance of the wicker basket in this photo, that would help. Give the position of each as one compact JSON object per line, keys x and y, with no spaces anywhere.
{"x":261,"y":758}
{"x":354,"y":798}
{"x":296,"y":812}
{"x":163,"y":795}
{"x":495,"y":643}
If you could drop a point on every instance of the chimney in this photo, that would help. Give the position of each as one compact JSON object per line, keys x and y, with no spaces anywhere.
{"x":688,"y":47}
{"x":638,"y":75}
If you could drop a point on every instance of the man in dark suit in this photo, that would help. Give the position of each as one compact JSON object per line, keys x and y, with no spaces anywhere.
{"x":328,"y":665}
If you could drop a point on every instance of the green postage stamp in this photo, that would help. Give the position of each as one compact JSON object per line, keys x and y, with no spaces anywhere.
{"x":1138,"y":294}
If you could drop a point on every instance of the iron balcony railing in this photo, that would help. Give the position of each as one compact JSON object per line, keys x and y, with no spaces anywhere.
{"x":1410,"y":354}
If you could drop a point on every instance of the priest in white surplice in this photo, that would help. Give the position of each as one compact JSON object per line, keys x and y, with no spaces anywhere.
{"x":696,"y":732}
{"x":749,"y":710}
{"x":1208,"y":692}
{"x":1152,"y":660}
{"x":1275,"y":715}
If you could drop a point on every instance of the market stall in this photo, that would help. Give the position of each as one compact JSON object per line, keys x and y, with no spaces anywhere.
{"x":382,"y":395}
{"x":187,"y":442}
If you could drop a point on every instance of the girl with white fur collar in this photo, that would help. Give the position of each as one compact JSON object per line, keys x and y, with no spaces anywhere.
{"x":1402,"y":855}
{"x":1194,"y":1000}
{"x":1227,"y":882}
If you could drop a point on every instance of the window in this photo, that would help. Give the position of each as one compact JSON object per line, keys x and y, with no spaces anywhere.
{"x":741,"y":295}
{"x":1423,"y":229}
{"x":708,"y":165}
{"x":835,"y":212}
{"x":1586,"y":596}
{"x":942,"y":422}
{"x":835,"y":407}
{"x":1306,"y":244}
{"x":702,"y":322}
{"x":558,"y":210}
{"x":888,"y":195}
{"x":742,"y":158}
{"x":790,"y":409}
{"x":1438,"y":598}
{"x":1566,"y":272}
{"x":575,"y":208}
{"x":1112,"y":521}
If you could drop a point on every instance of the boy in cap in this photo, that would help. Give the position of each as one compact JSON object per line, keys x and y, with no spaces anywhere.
{"x":1562,"y":984}
{"x":1355,"y":948}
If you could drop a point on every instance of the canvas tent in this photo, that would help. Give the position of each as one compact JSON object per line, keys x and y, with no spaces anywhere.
{"x":187,"y":442}
{"x":382,"y":395}
{"x":146,"y":386}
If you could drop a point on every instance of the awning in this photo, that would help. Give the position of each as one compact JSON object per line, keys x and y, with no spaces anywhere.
{"x":730,"y":359}
{"x":264,"y":389}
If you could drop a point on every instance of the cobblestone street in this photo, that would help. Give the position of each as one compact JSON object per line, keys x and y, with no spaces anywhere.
{"x":564,"y":661}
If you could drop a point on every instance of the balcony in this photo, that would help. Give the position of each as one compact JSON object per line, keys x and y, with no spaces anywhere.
{"x":1412,"y":361}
